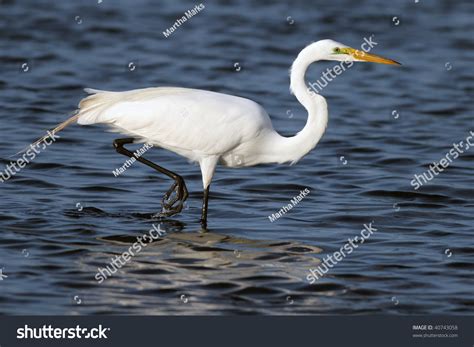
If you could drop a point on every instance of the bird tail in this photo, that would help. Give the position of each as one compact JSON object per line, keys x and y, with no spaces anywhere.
{"x":52,"y":132}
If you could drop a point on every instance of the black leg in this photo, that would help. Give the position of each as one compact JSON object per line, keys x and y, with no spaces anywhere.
{"x":171,"y":206}
{"x":205,"y":200}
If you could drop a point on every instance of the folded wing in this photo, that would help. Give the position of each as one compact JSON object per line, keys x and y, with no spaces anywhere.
{"x":179,"y":119}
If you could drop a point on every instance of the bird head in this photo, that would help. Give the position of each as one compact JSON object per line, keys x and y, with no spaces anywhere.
{"x":332,"y":50}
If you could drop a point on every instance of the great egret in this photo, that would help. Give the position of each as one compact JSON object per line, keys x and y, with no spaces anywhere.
{"x":211,"y":128}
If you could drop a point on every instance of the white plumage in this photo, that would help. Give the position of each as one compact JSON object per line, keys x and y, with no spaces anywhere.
{"x":209,"y":127}
{"x":189,"y":122}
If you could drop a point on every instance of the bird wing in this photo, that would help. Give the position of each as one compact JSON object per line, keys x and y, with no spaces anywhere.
{"x":200,"y":121}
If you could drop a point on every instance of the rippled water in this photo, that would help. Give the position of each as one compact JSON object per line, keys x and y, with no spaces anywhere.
{"x":65,"y":214}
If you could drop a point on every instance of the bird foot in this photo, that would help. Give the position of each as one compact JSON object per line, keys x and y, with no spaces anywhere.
{"x":173,"y":200}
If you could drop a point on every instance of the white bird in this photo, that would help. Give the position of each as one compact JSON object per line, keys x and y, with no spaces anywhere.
{"x":211,"y":128}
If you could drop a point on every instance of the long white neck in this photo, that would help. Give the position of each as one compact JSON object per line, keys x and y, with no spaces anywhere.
{"x":291,"y":149}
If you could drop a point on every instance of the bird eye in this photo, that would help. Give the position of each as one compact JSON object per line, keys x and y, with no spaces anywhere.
{"x":337,"y":50}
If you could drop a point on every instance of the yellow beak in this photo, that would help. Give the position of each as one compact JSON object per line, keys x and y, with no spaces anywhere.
{"x":364,"y":56}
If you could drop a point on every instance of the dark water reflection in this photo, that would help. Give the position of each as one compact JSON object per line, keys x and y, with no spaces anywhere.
{"x":65,"y":215}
